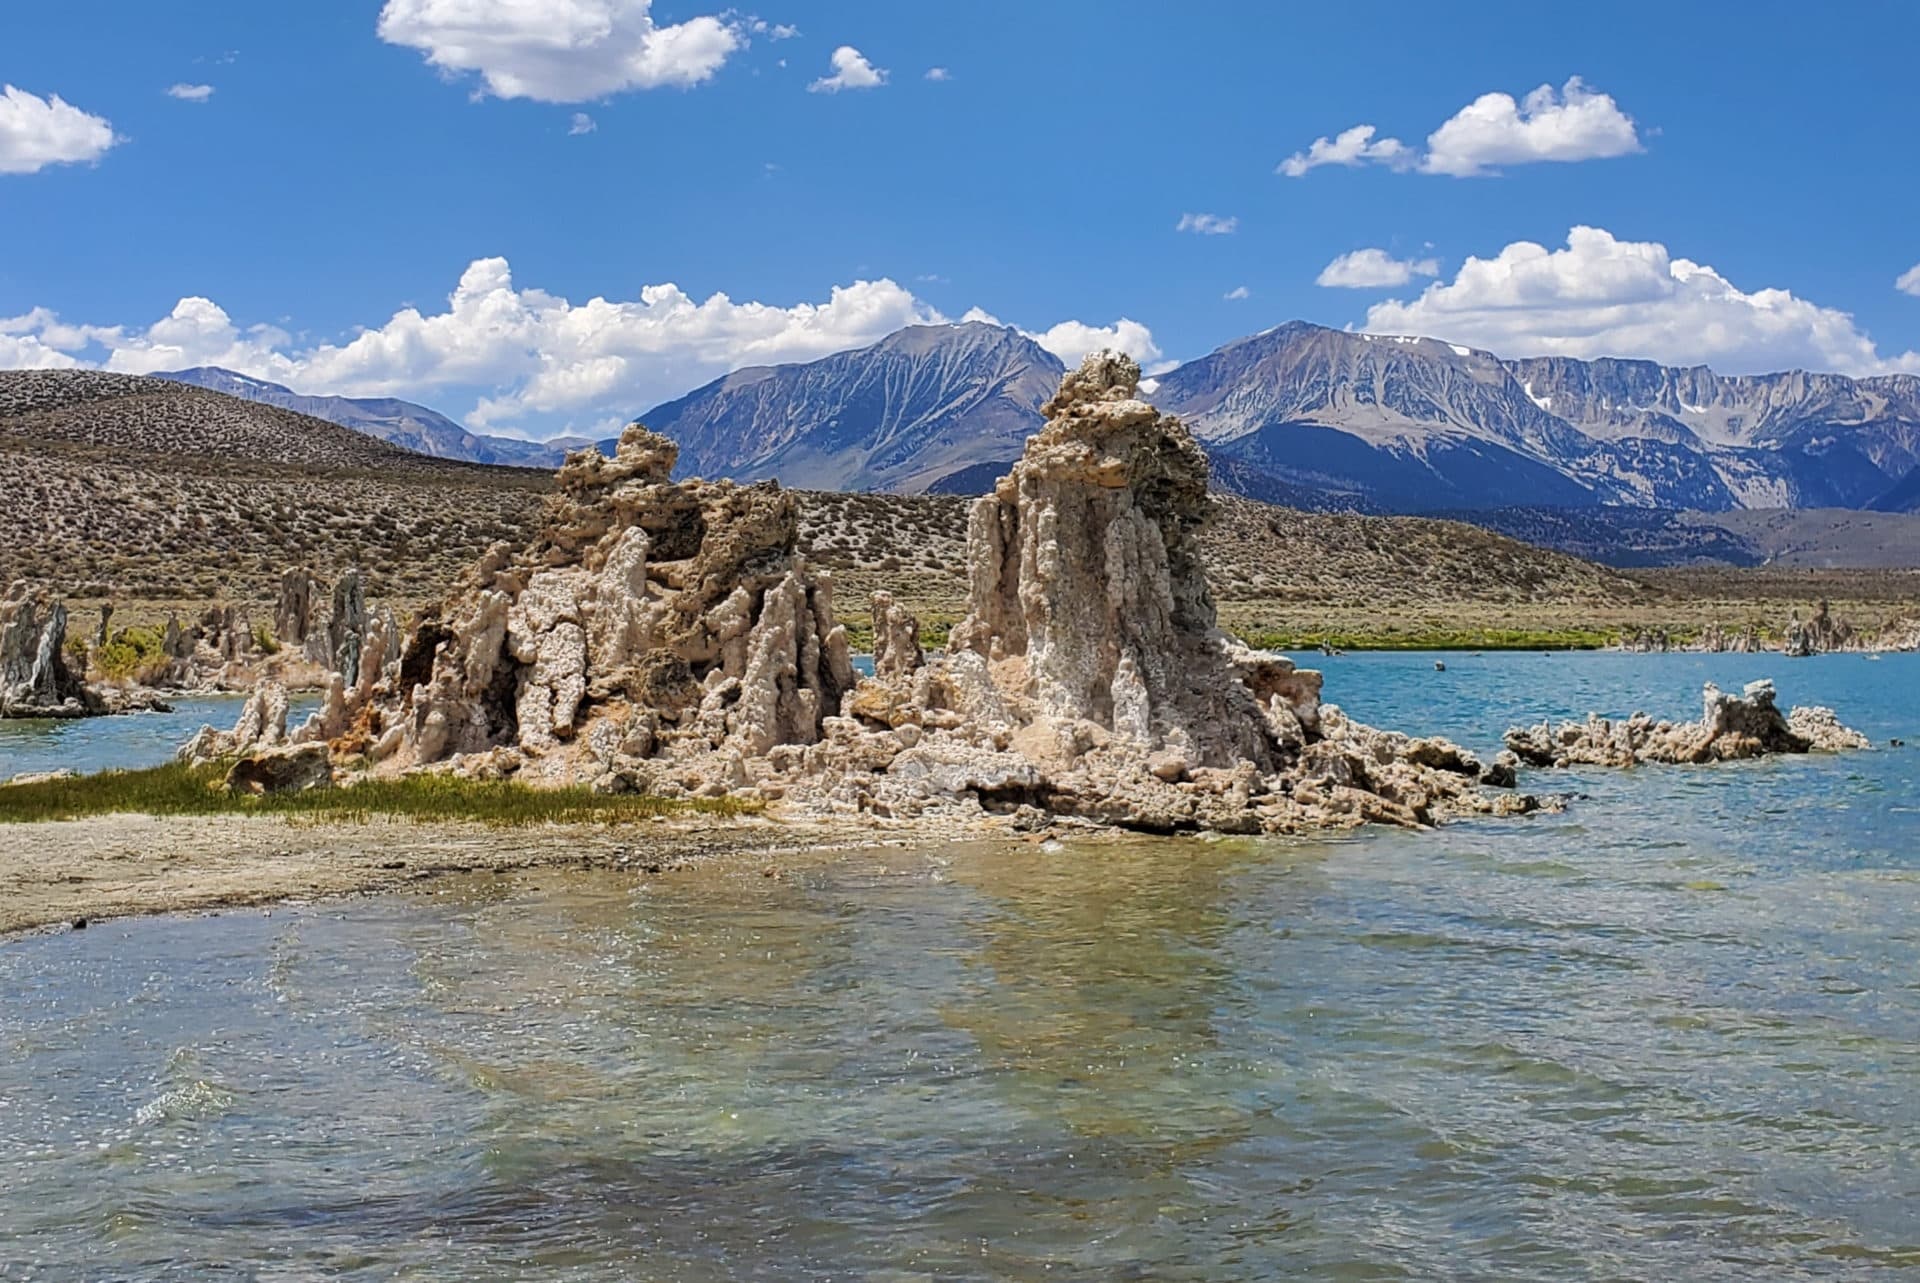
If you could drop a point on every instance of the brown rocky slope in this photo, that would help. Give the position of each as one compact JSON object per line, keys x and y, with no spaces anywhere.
{"x":139,"y":488}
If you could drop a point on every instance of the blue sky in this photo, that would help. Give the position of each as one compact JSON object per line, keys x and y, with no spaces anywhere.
{"x":329,"y":165}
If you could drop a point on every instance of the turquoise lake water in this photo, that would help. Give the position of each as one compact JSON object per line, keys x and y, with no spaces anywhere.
{"x":1672,"y":1033}
{"x":118,"y":743}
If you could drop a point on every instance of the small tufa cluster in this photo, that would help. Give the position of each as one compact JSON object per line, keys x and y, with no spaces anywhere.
{"x":1731,"y":727}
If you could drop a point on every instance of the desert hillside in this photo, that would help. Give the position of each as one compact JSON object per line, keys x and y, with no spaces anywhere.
{"x":136,"y":487}
{"x":142,"y":490}
{"x":144,"y":417}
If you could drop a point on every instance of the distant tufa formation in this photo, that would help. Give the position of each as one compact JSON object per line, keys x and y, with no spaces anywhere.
{"x":1731,"y":727}
{"x":1822,"y":633}
{"x":668,"y":637}
{"x":35,"y":680}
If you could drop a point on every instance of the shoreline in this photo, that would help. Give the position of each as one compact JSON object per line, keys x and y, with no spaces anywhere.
{"x":57,"y":874}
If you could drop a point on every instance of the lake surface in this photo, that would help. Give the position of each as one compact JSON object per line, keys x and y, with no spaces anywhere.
{"x":1672,"y":1033}
{"x":121,"y":743}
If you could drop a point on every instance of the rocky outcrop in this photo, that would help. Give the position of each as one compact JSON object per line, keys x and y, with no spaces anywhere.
{"x":1712,"y":640}
{"x":308,"y":643}
{"x":1715,"y":640}
{"x":667,"y":637}
{"x":337,"y":646}
{"x":1901,"y":634}
{"x":262,"y":725}
{"x":35,"y":680}
{"x":293,"y":768}
{"x":1731,"y":727}
{"x":293,"y":616}
{"x":654,"y":635}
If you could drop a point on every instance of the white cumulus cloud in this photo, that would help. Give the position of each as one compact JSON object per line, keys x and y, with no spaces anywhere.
{"x":1366,"y":269}
{"x":1207,"y":224}
{"x":1493,"y":129}
{"x":1909,"y":282}
{"x":1572,"y":123}
{"x":37,"y":341}
{"x":190,"y":93}
{"x":531,"y":361}
{"x":1072,"y":341}
{"x":1356,"y":146}
{"x":560,"y":50}
{"x":851,"y":70}
{"x":1602,"y":296}
{"x":37,"y":132}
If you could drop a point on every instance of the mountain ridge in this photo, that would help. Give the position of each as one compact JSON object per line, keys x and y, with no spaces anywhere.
{"x":1299,"y":414}
{"x":897,"y":415}
{"x":401,"y":423}
{"x":1331,"y":418}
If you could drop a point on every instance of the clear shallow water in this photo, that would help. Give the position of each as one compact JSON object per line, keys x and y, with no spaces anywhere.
{"x":118,"y":743}
{"x":1673,"y":1033}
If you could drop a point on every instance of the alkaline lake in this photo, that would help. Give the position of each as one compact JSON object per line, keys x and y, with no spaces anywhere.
{"x":1672,"y":1032}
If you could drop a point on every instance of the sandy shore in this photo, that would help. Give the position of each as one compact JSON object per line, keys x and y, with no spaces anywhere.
{"x":115,"y":866}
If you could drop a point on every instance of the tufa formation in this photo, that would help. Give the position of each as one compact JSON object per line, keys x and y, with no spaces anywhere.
{"x":668,"y":637}
{"x":1731,"y":727}
{"x":35,"y":680}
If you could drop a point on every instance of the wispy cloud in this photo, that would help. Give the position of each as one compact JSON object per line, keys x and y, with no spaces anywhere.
{"x":581,"y":123}
{"x":1207,"y":224}
{"x":190,"y":93}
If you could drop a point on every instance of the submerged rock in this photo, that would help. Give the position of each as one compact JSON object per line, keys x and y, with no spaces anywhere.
{"x":1731,"y":727}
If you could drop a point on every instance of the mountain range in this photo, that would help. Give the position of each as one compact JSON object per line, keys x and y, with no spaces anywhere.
{"x":921,"y":404}
{"x":1306,"y":414}
{"x":401,"y":423}
{"x":1299,"y":414}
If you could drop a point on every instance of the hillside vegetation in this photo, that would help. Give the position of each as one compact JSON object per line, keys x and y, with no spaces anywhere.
{"x":136,"y":487}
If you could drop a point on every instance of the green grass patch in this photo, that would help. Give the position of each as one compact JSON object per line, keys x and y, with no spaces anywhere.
{"x":177,"y":789}
{"x":934,"y":629}
{"x":132,"y":654}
